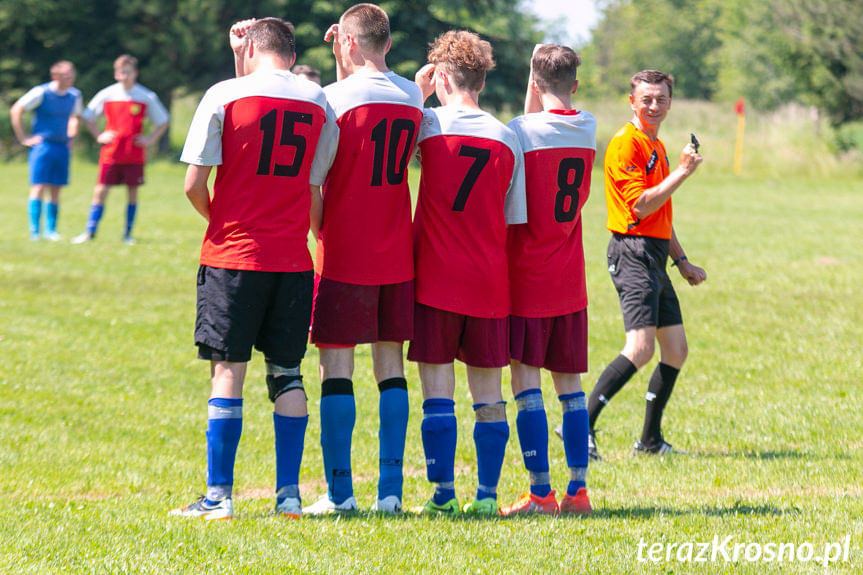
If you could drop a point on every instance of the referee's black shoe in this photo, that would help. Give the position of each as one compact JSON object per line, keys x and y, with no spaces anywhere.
{"x":660,"y":447}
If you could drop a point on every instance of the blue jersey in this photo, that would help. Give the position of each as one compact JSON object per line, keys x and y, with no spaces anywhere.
{"x":52,"y":111}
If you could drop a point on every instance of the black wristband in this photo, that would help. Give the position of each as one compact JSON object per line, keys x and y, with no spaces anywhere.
{"x":678,"y":260}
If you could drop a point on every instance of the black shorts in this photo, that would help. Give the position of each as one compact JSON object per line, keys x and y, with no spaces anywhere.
{"x":238,"y":309}
{"x":637,"y":267}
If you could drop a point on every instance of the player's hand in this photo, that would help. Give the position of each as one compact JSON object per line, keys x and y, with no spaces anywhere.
{"x":31,"y":141}
{"x":425,"y":80}
{"x":689,"y":159}
{"x":237,"y":34}
{"x":142,"y":141}
{"x":106,"y":137}
{"x":692,"y":273}
{"x":332,"y":33}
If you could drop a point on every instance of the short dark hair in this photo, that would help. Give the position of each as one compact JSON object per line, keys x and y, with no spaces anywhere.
{"x":312,"y":74}
{"x":651,"y":77}
{"x":464,"y":55}
{"x":272,"y":35}
{"x":555,"y":68}
{"x":369,"y":24}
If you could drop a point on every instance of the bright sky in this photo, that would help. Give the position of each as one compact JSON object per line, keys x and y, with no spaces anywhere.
{"x":572,"y":18}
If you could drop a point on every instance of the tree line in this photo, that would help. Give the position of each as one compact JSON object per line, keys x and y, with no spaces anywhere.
{"x":768,"y":51}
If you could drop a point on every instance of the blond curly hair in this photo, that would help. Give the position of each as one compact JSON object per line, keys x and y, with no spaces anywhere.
{"x":465,"y":56}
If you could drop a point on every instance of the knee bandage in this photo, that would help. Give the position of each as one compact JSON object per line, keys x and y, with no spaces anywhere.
{"x":282,"y":379}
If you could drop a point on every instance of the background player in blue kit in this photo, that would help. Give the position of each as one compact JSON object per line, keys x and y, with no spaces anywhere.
{"x":56,"y":107}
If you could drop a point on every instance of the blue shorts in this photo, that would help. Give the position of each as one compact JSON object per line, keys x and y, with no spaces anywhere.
{"x":49,"y":164}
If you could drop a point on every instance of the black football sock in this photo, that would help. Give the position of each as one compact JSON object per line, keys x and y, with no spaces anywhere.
{"x":658,"y":392}
{"x":615,"y":376}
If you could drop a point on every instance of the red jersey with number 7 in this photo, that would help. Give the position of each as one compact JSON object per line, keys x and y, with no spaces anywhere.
{"x":546,"y":255}
{"x":471,"y":187}
{"x":366,"y":233}
{"x":271,"y":134}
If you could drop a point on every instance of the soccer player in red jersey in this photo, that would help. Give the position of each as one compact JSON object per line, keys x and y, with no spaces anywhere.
{"x":125,"y":106}
{"x":273,"y":137}
{"x":548,"y":325}
{"x":472,"y":186}
{"x":364,"y":257}
{"x":638,"y":188}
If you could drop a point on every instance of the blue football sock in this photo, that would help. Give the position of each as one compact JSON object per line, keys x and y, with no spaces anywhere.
{"x":131,"y":210}
{"x":338,"y":415}
{"x":224,"y":427}
{"x":576,"y":426}
{"x":34,"y":209}
{"x":490,"y":434}
{"x":439,"y":436}
{"x":532,"y":426}
{"x":51,"y":212}
{"x":290,"y":438}
{"x":94,"y":218}
{"x":393,"y":413}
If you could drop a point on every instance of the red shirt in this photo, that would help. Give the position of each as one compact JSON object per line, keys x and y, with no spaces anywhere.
{"x":264,"y":131}
{"x":546,"y":256}
{"x":366,"y":235}
{"x":472,"y":185}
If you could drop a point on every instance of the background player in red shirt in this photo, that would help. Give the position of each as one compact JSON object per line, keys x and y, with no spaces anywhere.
{"x":548,"y":325}
{"x":272,"y":135}
{"x":125,"y":105}
{"x":364,"y":257}
{"x":472,"y":186}
{"x":638,"y":189}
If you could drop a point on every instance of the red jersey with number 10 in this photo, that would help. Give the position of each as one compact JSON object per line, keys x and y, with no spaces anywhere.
{"x":272,"y":134}
{"x":472,"y":185}
{"x":546,"y":255}
{"x":366,"y":234}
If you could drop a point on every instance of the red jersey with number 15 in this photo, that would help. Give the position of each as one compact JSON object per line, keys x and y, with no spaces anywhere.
{"x":271,"y":134}
{"x":366,"y":234}
{"x":546,"y":256}
{"x":472,"y":186}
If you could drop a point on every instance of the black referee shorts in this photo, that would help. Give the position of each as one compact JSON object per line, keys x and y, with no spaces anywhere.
{"x":238,"y":309}
{"x":637,"y":267}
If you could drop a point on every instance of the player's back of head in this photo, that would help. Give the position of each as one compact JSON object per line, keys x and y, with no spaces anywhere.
{"x":369,"y":24}
{"x":273,"y":36}
{"x":555,"y":68}
{"x":465,"y":56}
{"x":652,"y":77}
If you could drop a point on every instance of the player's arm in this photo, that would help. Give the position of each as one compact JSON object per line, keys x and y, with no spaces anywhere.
{"x":653,"y":198}
{"x":532,"y":101}
{"x":16,"y":116}
{"x":196,"y":188}
{"x":425,"y":80}
{"x":316,"y":212}
{"x":237,"y":40}
{"x":332,"y":35}
{"x":147,"y":141}
{"x":690,"y":272}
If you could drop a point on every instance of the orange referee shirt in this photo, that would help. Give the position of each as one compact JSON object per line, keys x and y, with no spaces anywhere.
{"x":634,"y":163}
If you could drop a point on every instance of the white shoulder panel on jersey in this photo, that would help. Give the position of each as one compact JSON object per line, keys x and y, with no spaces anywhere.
{"x":372,"y":88}
{"x":461,"y":121}
{"x":33,"y":98}
{"x":545,"y":130}
{"x":156,"y":112}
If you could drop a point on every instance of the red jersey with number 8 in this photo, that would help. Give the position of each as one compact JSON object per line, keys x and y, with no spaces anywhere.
{"x":271,"y":133}
{"x":472,"y":186}
{"x":365,"y":237}
{"x":546,"y":255}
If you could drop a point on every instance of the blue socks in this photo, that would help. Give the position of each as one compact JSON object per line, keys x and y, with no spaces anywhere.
{"x":51,"y":212}
{"x":94,"y":218}
{"x":576,"y":427}
{"x":490,"y":434}
{"x":532,"y":425}
{"x":290,"y":437}
{"x":131,"y":210}
{"x":439,"y":436}
{"x":34,"y":210}
{"x":224,"y":427}
{"x":393,"y":413}
{"x":338,"y":415}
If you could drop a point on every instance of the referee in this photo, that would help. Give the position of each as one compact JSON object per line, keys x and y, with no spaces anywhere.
{"x":638,"y":189}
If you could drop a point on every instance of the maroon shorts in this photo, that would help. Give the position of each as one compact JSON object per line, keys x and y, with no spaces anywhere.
{"x":116,"y":174}
{"x":443,"y":336}
{"x":556,"y":343}
{"x":347,"y":314}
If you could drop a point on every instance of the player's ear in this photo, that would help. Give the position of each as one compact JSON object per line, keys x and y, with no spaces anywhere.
{"x":534,"y":88}
{"x":574,"y":87}
{"x":293,"y":59}
{"x":389,"y":45}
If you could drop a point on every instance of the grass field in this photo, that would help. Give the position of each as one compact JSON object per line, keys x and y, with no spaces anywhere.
{"x":102,"y":402}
